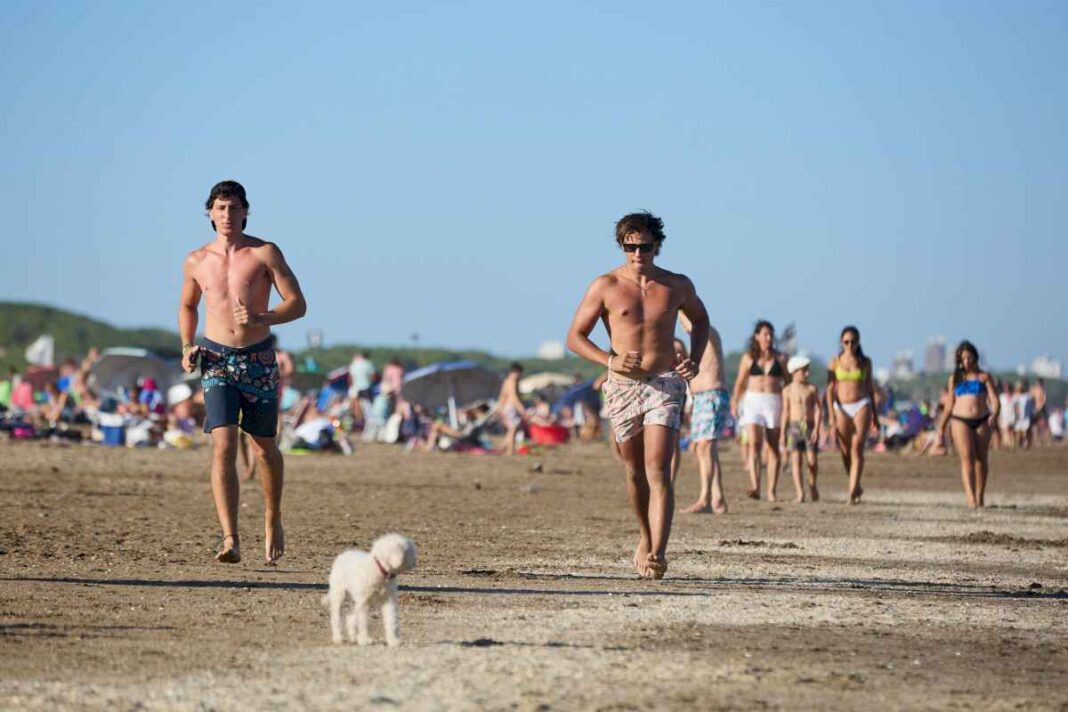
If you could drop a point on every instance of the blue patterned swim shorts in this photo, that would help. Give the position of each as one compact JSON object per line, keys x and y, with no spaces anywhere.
{"x":710,"y":411}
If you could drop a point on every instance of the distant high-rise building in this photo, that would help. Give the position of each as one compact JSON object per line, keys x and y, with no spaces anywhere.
{"x":1046,"y":367}
{"x":934,"y":356}
{"x":901,"y":367}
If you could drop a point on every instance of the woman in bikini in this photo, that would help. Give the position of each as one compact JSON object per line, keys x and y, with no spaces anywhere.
{"x":852,"y":395}
{"x":760,"y":379}
{"x":973,"y":409}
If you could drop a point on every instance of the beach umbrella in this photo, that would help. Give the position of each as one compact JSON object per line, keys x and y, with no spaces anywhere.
{"x":543,"y":381}
{"x":448,"y":384}
{"x":119,"y":367}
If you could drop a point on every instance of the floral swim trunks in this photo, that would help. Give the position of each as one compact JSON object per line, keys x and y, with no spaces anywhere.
{"x":240,"y":381}
{"x":710,"y":411}
{"x":654,"y":400}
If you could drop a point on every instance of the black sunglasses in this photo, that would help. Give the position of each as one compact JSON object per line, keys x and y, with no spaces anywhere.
{"x":642,"y":247}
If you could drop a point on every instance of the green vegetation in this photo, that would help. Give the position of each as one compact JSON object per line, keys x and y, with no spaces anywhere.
{"x":21,"y":324}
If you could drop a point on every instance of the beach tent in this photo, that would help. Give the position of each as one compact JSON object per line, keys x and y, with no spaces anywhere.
{"x":119,"y":367}
{"x":546,"y":380}
{"x":448,"y":384}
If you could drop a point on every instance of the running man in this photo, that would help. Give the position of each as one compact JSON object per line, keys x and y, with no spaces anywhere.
{"x":239,"y":370}
{"x":643,"y":394}
{"x":711,"y":408}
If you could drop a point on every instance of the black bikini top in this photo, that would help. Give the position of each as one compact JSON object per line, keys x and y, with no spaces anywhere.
{"x":775,"y":371}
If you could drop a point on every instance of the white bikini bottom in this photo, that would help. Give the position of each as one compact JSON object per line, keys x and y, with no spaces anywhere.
{"x":851,"y":409}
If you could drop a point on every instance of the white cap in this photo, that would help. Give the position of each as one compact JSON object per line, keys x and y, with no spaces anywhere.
{"x":797,"y":362}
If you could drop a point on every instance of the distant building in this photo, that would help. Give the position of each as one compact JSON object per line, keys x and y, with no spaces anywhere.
{"x":551,"y":350}
{"x":1046,"y":367}
{"x":901,"y":367}
{"x":934,"y":356}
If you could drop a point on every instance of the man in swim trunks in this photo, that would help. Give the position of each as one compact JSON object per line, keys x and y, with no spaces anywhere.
{"x":239,"y":370}
{"x":510,"y":409}
{"x":711,"y":407}
{"x":643,"y":394}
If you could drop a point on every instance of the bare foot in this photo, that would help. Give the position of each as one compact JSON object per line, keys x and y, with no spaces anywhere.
{"x":275,"y":543}
{"x":752,"y":494}
{"x":229,"y":554}
{"x":657,"y":566}
{"x":855,"y":498}
{"x":814,"y":493}
{"x":719,"y":507}
{"x":698,"y":507}
{"x":800,"y":498}
{"x":641,"y":559}
{"x":250,"y":473}
{"x":771,"y":496}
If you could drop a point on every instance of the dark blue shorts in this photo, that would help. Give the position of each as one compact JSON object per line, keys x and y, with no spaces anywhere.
{"x":240,"y":387}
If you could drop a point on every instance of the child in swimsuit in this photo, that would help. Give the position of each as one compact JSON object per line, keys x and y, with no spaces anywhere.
{"x":802,"y":416}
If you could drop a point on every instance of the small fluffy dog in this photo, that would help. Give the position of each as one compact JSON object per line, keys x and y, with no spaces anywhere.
{"x":369,"y":579}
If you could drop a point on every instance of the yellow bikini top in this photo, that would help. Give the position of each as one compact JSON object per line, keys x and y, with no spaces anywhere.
{"x":840,"y":374}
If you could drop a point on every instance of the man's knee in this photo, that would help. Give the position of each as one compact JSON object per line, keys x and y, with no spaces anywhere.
{"x":264,"y":447}
{"x":224,"y":442}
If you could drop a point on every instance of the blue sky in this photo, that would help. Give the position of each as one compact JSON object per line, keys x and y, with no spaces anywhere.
{"x":456,"y":170}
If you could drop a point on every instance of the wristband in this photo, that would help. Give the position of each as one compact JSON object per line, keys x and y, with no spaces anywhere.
{"x":188,"y":347}
{"x":609,"y":363}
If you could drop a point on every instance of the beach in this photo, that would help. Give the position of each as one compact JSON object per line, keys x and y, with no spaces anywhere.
{"x":524,"y":597}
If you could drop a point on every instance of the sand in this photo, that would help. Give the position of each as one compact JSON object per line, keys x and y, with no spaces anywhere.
{"x":524,"y":597}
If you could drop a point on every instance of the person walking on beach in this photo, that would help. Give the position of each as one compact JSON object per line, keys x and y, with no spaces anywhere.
{"x":711,"y":408}
{"x":757,"y":405}
{"x":1006,"y":417}
{"x":973,"y":410}
{"x":643,"y":394}
{"x":851,"y":392}
{"x":802,"y":420}
{"x":509,"y":409}
{"x":239,"y":371}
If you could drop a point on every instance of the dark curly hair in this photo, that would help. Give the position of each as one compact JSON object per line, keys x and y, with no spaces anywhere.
{"x":754,"y":347}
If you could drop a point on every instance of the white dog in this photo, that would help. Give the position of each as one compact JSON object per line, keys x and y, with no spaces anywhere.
{"x":369,"y":579}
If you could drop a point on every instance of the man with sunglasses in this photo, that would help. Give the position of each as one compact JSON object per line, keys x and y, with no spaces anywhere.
{"x":638,"y":303}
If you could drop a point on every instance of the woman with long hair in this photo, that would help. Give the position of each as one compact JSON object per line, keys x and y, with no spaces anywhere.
{"x":757,"y":395}
{"x":851,"y":392}
{"x":973,"y":409}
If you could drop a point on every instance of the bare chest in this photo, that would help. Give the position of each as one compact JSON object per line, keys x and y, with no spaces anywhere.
{"x":229,"y":277}
{"x":631,"y":304}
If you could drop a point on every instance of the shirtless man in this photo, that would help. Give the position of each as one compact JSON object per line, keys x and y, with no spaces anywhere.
{"x":711,"y":406}
{"x":239,"y":372}
{"x":509,"y":409}
{"x":638,"y":303}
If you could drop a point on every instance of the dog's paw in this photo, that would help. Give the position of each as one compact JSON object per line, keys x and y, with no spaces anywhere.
{"x":393,"y":642}
{"x":337,"y":639}
{"x":363,"y":641}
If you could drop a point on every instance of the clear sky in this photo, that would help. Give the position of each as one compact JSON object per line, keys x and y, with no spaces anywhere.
{"x":455,"y":171}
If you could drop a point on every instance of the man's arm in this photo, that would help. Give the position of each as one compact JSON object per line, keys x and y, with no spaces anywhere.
{"x":187,"y":313}
{"x":293,"y":305}
{"x":695,"y":311}
{"x":578,"y":335}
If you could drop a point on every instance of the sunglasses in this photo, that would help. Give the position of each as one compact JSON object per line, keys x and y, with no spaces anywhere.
{"x":642,"y":247}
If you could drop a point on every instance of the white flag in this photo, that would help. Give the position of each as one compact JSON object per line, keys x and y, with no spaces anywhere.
{"x":42,"y":352}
